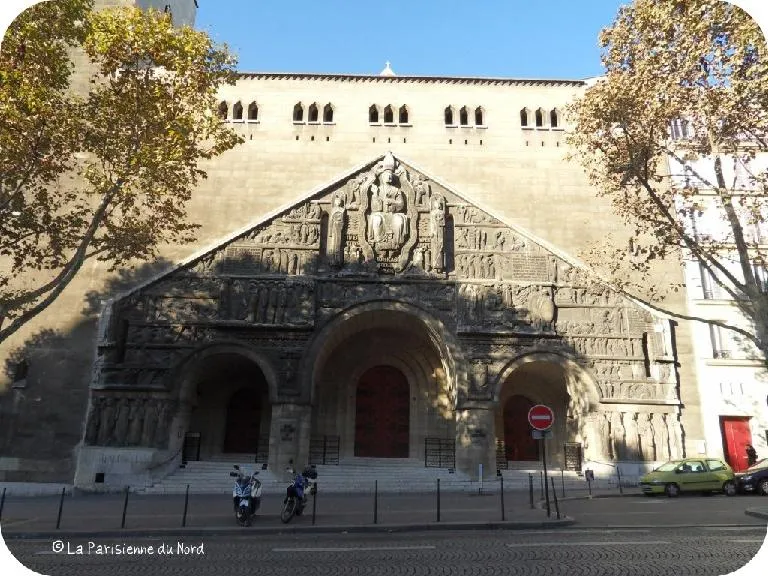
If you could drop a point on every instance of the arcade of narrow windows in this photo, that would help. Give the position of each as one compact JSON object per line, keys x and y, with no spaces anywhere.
{"x":540,"y":119}
{"x":390,"y":115}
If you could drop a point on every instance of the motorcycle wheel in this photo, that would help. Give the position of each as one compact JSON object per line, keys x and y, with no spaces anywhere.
{"x":289,"y":508}
{"x":243,"y":519}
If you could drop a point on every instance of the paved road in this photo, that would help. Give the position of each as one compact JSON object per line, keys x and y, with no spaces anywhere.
{"x":567,"y":551}
{"x":661,"y":511}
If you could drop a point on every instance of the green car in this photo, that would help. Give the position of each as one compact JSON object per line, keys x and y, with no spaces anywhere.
{"x":702,"y":474}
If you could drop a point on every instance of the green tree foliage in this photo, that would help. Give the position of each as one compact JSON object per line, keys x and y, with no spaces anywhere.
{"x":705,"y":62}
{"x":104,"y":174}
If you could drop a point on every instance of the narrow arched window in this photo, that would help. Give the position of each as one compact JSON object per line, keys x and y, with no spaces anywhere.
{"x":554,"y":118}
{"x":403,"y":114}
{"x":313,"y":114}
{"x":479,"y":116}
{"x":524,"y":117}
{"x":389,"y":115}
{"x":298,"y":113}
{"x":463,"y":116}
{"x":373,"y":114}
{"x":253,"y":111}
{"x":539,"y":118}
{"x":449,"y":116}
{"x":237,"y":111}
{"x":328,"y":114}
{"x":223,"y":111}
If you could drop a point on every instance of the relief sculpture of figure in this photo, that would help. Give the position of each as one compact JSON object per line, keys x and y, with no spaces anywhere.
{"x":92,"y":429}
{"x":107,"y":421}
{"x":336,"y":231}
{"x":121,"y":424}
{"x":388,"y":222}
{"x":437,"y":232}
{"x":136,"y":419}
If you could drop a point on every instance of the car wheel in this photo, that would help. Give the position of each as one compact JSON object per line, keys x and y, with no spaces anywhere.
{"x":729,"y":488}
{"x":672,"y":490}
{"x":763,"y":487}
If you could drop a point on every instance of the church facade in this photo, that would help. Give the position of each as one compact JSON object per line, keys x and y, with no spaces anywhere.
{"x":386,"y":312}
{"x":388,"y":264}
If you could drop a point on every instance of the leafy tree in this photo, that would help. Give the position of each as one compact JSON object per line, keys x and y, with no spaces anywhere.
{"x":701,"y":66}
{"x":104,"y":172}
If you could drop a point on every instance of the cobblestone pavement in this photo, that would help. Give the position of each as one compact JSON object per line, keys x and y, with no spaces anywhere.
{"x":693,"y":551}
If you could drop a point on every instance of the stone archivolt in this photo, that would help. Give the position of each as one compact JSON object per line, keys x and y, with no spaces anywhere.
{"x":385,"y":233}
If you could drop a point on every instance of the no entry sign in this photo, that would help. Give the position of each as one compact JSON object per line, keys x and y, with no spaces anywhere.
{"x":541,"y":417}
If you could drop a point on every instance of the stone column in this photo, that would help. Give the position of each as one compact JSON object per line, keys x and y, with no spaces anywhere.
{"x":289,"y":437}
{"x":476,"y":439}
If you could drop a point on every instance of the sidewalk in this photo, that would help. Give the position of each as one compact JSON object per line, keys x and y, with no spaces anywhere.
{"x":101,"y":514}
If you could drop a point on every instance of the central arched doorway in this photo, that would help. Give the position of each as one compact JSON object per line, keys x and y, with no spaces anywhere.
{"x":382,"y":414}
{"x":518,"y":441}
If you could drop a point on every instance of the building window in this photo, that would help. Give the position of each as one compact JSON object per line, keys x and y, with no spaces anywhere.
{"x":298,"y":113}
{"x":313,"y":115}
{"x":223,"y":111}
{"x":449,"y":116}
{"x":328,"y":114}
{"x":403,"y":114}
{"x":389,"y":115}
{"x":479,"y":116}
{"x":19,"y":371}
{"x":539,"y":118}
{"x":524,"y":117}
{"x":253,"y":111}
{"x":373,"y":114}
{"x":237,"y":111}
{"x":463,"y":116}
{"x":720,"y":347}
{"x":554,"y":120}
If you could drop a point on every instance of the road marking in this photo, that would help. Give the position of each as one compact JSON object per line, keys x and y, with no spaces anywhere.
{"x":749,"y":540}
{"x":356,"y":549}
{"x":623,"y":542}
{"x":584,"y":531}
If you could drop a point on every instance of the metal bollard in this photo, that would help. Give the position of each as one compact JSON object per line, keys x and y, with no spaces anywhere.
{"x":562,"y":481}
{"x":2,"y":503}
{"x":186,"y":504}
{"x":618,"y":473}
{"x":375,"y":501}
{"x":541,"y":482}
{"x":61,"y":505}
{"x":314,"y":505}
{"x":438,"y":499}
{"x":530,"y":488}
{"x":503,"y":512}
{"x":125,"y":508}
{"x":554,"y":494}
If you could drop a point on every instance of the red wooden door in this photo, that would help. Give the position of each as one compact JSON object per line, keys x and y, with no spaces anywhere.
{"x":518,"y":442}
{"x":382,"y":414}
{"x":736,"y":436}
{"x":243,"y":422}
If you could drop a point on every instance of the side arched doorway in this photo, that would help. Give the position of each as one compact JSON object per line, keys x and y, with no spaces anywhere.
{"x":243,"y":424}
{"x":382,"y":414}
{"x":518,"y":441}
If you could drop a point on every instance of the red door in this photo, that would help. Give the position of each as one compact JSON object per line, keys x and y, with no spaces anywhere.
{"x":736,"y":436}
{"x":382,"y":414}
{"x":518,"y":441}
{"x":243,"y":422}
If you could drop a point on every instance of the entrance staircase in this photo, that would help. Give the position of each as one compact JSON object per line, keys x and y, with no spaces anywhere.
{"x":357,"y":475}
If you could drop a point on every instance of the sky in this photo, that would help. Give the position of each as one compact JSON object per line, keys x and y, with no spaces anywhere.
{"x":506,"y":38}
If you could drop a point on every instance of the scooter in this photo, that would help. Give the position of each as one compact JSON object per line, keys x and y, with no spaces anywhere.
{"x":246,"y":495}
{"x":296,"y":493}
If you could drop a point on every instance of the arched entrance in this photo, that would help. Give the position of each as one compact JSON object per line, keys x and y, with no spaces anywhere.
{"x":229,"y":410}
{"x":382,"y":413}
{"x":243,"y":424}
{"x":518,"y":442}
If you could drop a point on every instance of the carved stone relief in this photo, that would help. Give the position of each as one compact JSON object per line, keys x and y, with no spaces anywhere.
{"x":129,"y":421}
{"x":273,"y":303}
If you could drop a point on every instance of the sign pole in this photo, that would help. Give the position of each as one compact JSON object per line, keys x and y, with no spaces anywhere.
{"x":544,"y":463}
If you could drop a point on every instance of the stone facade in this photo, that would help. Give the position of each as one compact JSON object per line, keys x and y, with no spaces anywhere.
{"x":332,"y":258}
{"x":384,"y":267}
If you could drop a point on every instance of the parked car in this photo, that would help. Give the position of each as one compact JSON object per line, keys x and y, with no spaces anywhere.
{"x":754,"y":480}
{"x":702,"y":474}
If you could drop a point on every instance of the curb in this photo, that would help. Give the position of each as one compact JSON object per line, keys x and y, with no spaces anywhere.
{"x":296,"y":529}
{"x":761,"y":513}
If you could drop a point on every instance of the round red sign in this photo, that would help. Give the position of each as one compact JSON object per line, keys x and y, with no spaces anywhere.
{"x":541,"y":417}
